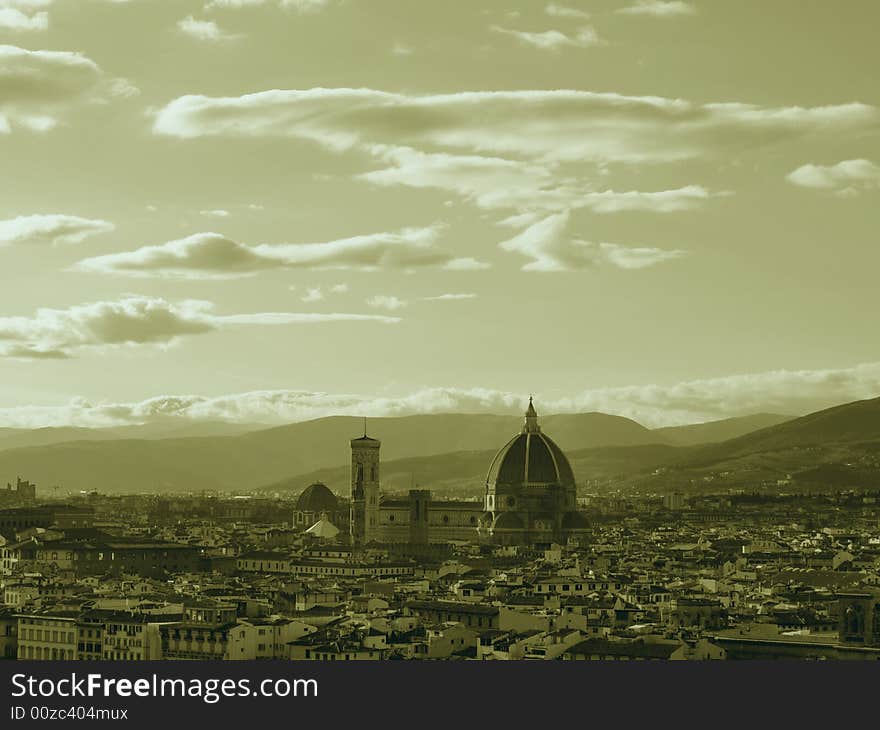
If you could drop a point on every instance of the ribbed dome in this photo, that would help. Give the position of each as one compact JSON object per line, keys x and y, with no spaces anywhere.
{"x":317,"y":498}
{"x":530,"y":457}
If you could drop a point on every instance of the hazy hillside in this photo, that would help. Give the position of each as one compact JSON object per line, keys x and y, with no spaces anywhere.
{"x":464,"y":472}
{"x":715,"y":431}
{"x":14,"y":438}
{"x":257,"y":458}
{"x":846,"y":424}
{"x":836,"y":448}
{"x":451,"y":452}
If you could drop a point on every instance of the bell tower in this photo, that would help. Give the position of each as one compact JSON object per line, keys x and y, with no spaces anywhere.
{"x":364,"y":489}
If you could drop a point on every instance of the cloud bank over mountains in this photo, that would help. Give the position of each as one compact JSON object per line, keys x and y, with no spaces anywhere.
{"x":787,"y":392}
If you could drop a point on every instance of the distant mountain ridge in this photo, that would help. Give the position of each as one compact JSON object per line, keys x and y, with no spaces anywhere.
{"x":253,"y":459}
{"x":716,"y":431}
{"x":835,"y":448}
{"x":453,"y":450}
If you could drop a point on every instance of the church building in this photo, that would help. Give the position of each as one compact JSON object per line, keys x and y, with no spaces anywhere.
{"x":530,"y":499}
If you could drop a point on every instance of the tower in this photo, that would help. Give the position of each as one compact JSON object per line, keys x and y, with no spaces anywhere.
{"x":364,"y":489}
{"x":419,"y":507}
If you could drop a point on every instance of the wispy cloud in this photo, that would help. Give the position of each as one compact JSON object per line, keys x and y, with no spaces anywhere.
{"x":134,"y":320}
{"x":467,"y":263}
{"x":849,"y":177}
{"x":212,"y":255}
{"x":563,"y":11}
{"x":204,"y":30}
{"x":495,"y":183}
{"x":544,"y":126}
{"x":313,"y":294}
{"x":304,"y":7}
{"x":37,"y":87}
{"x":659,"y":8}
{"x":552,"y":246}
{"x":383,"y":301}
{"x":52,"y":228}
{"x":448,"y":297}
{"x":16,"y":20}
{"x":553,"y":40}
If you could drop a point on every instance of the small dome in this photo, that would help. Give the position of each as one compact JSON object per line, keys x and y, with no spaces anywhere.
{"x":317,"y":498}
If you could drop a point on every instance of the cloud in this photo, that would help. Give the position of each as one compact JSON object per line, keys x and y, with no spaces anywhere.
{"x":133,"y":320}
{"x":13,"y":19}
{"x":339,"y":288}
{"x":791,"y":392}
{"x":659,"y":8}
{"x":235,"y":4}
{"x":467,"y":263}
{"x":494,"y":182}
{"x":448,"y":297}
{"x":37,"y":87}
{"x":303,"y":7}
{"x":219,"y":213}
{"x":313,"y":295}
{"x":551,"y":126}
{"x":553,"y":40}
{"x":381,"y":301}
{"x":562,"y":11}
{"x":848,"y":177}
{"x":212,"y":255}
{"x":552,"y":247}
{"x":204,"y":30}
{"x":50,"y":228}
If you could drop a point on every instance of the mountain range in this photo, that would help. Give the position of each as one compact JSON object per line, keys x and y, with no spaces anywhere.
{"x":448,"y":452}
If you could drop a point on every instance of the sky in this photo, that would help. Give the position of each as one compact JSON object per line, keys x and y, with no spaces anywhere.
{"x":273,"y":210}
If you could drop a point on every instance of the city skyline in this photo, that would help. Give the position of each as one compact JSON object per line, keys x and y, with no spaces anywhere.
{"x":663,"y":210}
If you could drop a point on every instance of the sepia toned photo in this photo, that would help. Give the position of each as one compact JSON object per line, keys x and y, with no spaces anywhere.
{"x":342,"y":330}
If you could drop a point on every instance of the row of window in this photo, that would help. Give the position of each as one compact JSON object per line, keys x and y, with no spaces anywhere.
{"x":39,"y":652}
{"x":63,"y":637}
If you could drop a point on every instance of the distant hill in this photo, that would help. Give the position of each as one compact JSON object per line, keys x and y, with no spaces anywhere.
{"x":835,"y":448}
{"x":256,"y":458}
{"x":463,"y":473}
{"x":15,"y":438}
{"x":716,"y":431}
{"x":851,"y":423}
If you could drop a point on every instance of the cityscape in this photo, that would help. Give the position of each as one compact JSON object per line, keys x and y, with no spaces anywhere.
{"x":539,"y":568}
{"x":342,"y":330}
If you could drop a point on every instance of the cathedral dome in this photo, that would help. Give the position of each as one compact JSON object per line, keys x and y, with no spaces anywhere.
{"x":317,"y":498}
{"x":530,"y":457}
